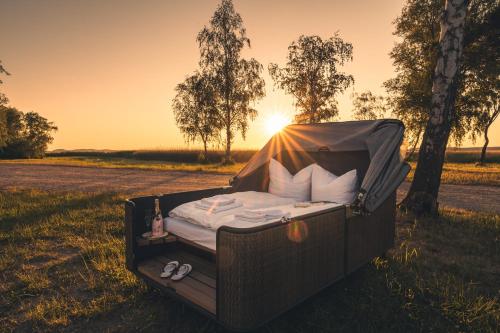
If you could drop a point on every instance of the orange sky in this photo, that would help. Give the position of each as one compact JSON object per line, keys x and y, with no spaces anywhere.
{"x":105,"y":71}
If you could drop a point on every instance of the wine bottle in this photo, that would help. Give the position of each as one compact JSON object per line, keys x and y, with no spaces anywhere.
{"x":157,"y":225}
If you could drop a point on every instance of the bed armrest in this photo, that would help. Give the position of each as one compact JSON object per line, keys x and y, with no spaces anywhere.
{"x":264,"y":271}
{"x":135,"y":224}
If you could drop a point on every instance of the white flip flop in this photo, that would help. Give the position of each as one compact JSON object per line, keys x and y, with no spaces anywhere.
{"x":183,"y":271}
{"x":169,"y":269}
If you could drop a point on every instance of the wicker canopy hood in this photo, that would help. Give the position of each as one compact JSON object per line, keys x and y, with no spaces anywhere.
{"x":381,"y":138}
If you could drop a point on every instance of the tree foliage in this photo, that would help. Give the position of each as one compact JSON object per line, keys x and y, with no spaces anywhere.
{"x":3,"y":71}
{"x":483,"y":98}
{"x":312,"y":76}
{"x":482,"y":77}
{"x":3,"y":115}
{"x":37,"y":133}
{"x":22,"y":135}
{"x":236,"y":82}
{"x":3,"y":99}
{"x":367,"y":106}
{"x":195,"y":110}
{"x":415,"y":57}
{"x":3,"y":127}
{"x":28,"y":134}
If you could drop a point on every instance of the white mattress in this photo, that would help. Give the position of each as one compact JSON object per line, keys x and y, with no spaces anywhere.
{"x":195,"y":233}
{"x":212,"y":220}
{"x":207,"y":237}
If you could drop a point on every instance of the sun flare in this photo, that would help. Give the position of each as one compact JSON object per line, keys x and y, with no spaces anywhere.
{"x":275,"y":122}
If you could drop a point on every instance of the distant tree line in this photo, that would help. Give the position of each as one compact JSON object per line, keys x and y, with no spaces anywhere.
{"x":22,"y":135}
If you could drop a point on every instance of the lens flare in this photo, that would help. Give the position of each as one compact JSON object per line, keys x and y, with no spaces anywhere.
{"x":275,"y":122}
{"x":297,"y":231}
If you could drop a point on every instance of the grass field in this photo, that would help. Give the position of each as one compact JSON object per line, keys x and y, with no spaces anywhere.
{"x":453,"y":173}
{"x":453,"y":155}
{"x":118,"y":162}
{"x":168,"y":155}
{"x":62,"y":268}
{"x":467,"y":174}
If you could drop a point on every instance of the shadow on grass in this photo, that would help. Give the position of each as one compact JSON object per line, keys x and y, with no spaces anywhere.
{"x":29,"y":207}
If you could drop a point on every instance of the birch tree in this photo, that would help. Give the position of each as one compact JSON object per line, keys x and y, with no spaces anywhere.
{"x":367,"y":106}
{"x":423,"y":194}
{"x":488,"y":117}
{"x":195,"y":112}
{"x":485,"y":100}
{"x":482,"y":73}
{"x":415,"y":57}
{"x":237,"y":82}
{"x":312,"y":76}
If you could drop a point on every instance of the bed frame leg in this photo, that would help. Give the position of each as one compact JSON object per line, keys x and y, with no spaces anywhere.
{"x":207,"y":326}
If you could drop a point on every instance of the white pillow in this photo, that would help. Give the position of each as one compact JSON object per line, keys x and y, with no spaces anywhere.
{"x":283,"y":184}
{"x":328,"y":187}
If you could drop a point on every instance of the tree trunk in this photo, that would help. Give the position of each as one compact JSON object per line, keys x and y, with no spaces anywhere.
{"x":228,"y":145}
{"x":486,"y":142}
{"x":423,"y":194}
{"x":205,"y":148}
{"x":414,"y":148}
{"x":314,"y":115}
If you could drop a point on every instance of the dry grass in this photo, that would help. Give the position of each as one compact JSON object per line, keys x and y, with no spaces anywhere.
{"x":127,"y":163}
{"x":62,"y":269}
{"x":468,"y":155}
{"x":179,"y":155}
{"x":467,"y":174}
{"x":453,"y":173}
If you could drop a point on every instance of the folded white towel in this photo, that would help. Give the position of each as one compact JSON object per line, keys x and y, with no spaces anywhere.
{"x":261,"y":215}
{"x":214,"y":209}
{"x":251,"y":214}
{"x":218,"y":201}
{"x":271,"y":213}
{"x":250,"y":219}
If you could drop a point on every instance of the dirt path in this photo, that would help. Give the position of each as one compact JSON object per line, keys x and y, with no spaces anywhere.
{"x":471,"y":197}
{"x":89,"y":179}
{"x":145,"y":182}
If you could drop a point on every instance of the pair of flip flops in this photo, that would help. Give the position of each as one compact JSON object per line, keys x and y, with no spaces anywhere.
{"x":175,"y":271}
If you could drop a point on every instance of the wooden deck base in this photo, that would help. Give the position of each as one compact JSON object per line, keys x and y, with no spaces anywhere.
{"x":199,"y":287}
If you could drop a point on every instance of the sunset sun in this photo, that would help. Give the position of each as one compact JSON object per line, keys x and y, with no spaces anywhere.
{"x":275,"y":122}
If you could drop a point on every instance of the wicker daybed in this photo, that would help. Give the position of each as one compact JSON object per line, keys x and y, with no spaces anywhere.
{"x":256,"y":274}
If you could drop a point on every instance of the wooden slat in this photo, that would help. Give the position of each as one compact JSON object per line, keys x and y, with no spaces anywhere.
{"x":193,"y":290}
{"x":204,"y":265}
{"x":198,"y":272}
{"x":154,"y":268}
{"x":146,"y":242}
